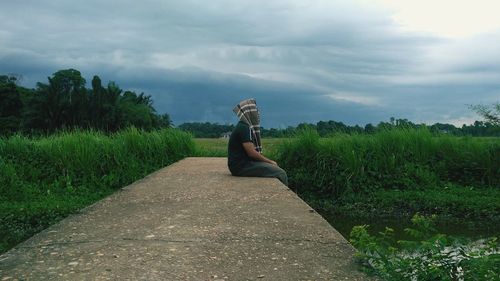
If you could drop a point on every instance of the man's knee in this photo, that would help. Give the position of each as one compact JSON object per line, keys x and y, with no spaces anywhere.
{"x":271,"y":170}
{"x":282,"y":171}
{"x":282,"y":176}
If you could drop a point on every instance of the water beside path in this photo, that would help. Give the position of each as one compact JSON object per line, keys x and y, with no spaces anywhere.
{"x":469,"y":229}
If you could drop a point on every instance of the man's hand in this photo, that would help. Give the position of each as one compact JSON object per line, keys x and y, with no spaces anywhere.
{"x":252,"y":153}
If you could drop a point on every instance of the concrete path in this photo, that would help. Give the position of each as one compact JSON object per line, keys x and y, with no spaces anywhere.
{"x":189,"y":221}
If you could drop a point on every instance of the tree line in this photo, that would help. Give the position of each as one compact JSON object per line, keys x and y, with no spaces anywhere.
{"x":326,"y":128}
{"x":65,"y":103}
{"x":206,"y":129}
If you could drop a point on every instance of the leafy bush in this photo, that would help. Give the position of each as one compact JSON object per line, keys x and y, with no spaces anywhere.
{"x":477,"y":205}
{"x":430,"y":256}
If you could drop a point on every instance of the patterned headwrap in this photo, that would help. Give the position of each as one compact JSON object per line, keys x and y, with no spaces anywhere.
{"x":248,"y":113}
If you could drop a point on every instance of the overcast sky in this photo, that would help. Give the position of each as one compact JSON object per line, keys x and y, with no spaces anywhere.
{"x":352,"y":61}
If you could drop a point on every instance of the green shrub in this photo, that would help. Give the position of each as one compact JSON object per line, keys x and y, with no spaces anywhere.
{"x":430,"y":256}
{"x":450,"y":202}
{"x":43,"y":180}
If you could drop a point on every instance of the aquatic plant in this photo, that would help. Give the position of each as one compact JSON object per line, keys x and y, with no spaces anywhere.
{"x":429,"y":256}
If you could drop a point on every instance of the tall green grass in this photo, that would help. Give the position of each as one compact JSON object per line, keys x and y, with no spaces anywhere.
{"x":400,"y":159}
{"x":396,"y":173}
{"x":43,"y":180}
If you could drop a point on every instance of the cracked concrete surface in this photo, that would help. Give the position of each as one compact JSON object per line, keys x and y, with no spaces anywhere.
{"x":189,"y":221}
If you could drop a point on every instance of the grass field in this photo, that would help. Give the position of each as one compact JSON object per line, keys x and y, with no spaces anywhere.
{"x":218,"y":147}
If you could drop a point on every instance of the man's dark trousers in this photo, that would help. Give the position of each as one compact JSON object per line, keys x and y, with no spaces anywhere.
{"x":263,"y":169}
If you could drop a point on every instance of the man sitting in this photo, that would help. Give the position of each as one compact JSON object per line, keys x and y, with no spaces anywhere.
{"x":245,"y":149}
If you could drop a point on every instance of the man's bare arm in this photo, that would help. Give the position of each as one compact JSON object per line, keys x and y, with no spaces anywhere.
{"x":252,"y":153}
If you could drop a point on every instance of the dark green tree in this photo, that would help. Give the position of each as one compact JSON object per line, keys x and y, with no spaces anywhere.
{"x":10,"y":105}
{"x":135,"y":111}
{"x":206,"y":130}
{"x":444,"y":128}
{"x":62,"y":102}
{"x":97,"y":112}
{"x":331,"y":127}
{"x":164,"y":121}
{"x":369,"y":128}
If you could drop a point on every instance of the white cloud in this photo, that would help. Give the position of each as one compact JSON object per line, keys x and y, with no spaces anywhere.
{"x":355,"y":98}
{"x":449,"y":18}
{"x":454,"y":78}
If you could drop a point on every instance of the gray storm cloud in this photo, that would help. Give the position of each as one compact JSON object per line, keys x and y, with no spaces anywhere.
{"x":304,"y":61}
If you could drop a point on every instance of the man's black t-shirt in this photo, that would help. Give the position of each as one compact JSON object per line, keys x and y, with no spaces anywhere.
{"x":237,"y":156}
